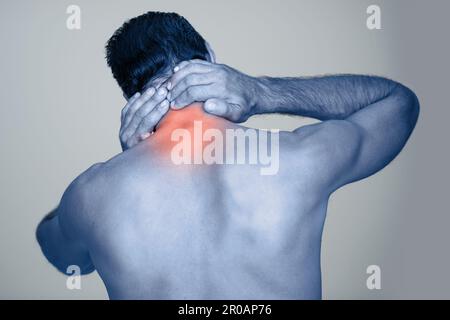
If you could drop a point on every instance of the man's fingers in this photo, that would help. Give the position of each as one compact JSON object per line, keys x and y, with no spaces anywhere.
{"x":150,"y":121}
{"x":148,"y":124}
{"x":143,"y":111}
{"x":136,"y":105}
{"x":183,"y":64}
{"x":188,"y":69}
{"x":216,"y":107}
{"x":191,"y":79}
{"x":221,"y":108}
{"x":130,"y":102}
{"x":193,"y":94}
{"x":148,"y":106}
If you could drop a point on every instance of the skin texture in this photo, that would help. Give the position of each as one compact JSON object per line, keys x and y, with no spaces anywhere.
{"x":155,"y":230}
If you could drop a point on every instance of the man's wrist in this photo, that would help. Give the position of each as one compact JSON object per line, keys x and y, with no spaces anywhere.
{"x":259,"y":92}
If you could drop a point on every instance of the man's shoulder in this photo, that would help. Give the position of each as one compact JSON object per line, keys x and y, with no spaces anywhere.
{"x":100,"y":171}
{"x":76,"y":202}
{"x":80,"y":189}
{"x":104,"y":177}
{"x":308,"y":153}
{"x":88,"y":177}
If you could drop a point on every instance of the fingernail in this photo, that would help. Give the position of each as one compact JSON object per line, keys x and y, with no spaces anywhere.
{"x":172,"y":104}
{"x":150,"y":91}
{"x":176,"y":69}
{"x":165,"y":103}
{"x":145,"y":136}
{"x":161,"y":91}
{"x":210,"y":106}
{"x":169,"y":85}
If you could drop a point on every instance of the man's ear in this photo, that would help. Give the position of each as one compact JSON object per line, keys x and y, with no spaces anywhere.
{"x":211,"y":54}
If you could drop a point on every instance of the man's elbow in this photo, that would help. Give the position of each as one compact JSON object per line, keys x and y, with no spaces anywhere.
{"x":44,"y":241}
{"x":410,"y":105}
{"x":57,"y":255}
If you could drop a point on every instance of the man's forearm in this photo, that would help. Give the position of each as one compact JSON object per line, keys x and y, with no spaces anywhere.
{"x":323,"y":98}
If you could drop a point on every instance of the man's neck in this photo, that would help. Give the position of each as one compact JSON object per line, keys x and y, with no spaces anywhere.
{"x":188,"y":126}
{"x":185,"y":118}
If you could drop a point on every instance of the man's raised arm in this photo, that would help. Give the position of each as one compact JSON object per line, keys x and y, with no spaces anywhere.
{"x":369,"y":119}
{"x":325,"y":98}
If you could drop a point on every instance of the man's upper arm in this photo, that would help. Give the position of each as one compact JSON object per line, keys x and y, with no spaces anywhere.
{"x":62,"y":236}
{"x":365,"y":142}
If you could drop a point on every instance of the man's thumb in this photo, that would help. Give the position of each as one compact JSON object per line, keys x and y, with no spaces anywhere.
{"x":216,"y":107}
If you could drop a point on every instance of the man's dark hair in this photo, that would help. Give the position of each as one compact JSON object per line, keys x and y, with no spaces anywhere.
{"x":151,"y":44}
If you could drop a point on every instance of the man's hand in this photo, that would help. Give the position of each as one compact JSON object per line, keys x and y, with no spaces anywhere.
{"x":141,"y":115}
{"x":226,"y":92}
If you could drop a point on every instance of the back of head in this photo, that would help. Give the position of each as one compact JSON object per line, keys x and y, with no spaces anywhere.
{"x":149,"y":46}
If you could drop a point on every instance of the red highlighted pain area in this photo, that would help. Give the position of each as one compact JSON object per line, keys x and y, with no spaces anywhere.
{"x":185,"y":133}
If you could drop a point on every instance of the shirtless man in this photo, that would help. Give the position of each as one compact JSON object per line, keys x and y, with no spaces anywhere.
{"x":157,"y":230}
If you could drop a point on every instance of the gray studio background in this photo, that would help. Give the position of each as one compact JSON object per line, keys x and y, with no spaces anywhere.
{"x":60,"y":113}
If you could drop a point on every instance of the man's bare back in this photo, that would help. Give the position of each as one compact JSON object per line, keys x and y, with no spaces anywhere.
{"x":165,"y":231}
